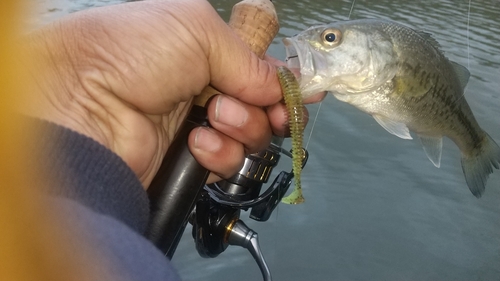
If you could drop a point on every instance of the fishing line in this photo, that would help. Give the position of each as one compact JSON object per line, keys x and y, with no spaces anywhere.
{"x":468,"y":39}
{"x":319,"y":107}
{"x":350,"y":12}
{"x":276,"y":219}
{"x":313,"y":125}
{"x":468,"y":43}
{"x":310,"y":133}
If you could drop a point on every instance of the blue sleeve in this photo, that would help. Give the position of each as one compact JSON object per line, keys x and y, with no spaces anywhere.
{"x":102,"y":201}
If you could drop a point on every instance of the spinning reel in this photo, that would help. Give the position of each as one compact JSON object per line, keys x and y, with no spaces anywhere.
{"x":216,"y":218}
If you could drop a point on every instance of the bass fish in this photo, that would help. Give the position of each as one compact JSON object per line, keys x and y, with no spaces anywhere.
{"x":400,"y":77}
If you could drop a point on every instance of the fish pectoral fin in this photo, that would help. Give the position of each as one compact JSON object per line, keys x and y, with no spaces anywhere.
{"x":409,"y":85}
{"x":433,"y":147}
{"x":396,"y":128}
{"x":462,"y":72}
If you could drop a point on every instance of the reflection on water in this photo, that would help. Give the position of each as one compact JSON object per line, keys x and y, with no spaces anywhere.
{"x":376,"y":208}
{"x":48,"y":10}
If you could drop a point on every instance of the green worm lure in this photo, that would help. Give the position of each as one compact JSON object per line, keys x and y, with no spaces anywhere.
{"x":295,"y":109}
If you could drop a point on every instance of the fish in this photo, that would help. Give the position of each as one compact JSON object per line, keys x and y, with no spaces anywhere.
{"x":401,"y":77}
{"x":295,"y":111}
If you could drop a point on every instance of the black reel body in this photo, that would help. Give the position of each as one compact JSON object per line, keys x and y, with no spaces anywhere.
{"x":215,"y":220}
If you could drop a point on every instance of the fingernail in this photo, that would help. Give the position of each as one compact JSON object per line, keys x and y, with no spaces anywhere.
{"x":207,"y":140}
{"x":230,"y":112}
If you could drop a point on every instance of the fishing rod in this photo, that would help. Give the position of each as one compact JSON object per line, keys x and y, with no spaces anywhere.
{"x":178,"y":194}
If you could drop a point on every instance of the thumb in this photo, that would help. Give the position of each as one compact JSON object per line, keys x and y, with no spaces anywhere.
{"x":236,"y":71}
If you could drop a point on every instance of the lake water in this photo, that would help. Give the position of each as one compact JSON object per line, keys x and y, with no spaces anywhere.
{"x":376,"y":208}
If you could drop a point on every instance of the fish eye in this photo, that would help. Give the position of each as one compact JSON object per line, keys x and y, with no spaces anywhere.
{"x":331,"y":36}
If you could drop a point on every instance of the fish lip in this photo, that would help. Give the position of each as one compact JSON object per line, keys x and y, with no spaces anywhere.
{"x":300,"y":57}
{"x":292,"y":57}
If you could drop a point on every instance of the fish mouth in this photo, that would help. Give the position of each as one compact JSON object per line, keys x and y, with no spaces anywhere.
{"x":300,"y":57}
{"x":292,"y":58}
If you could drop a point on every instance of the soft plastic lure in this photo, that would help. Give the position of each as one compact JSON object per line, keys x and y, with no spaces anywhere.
{"x":295,"y":109}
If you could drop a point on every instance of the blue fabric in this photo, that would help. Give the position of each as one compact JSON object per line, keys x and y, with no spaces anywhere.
{"x":102,"y":202}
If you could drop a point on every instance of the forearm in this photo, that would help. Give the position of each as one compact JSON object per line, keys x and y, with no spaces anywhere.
{"x":100,"y":205}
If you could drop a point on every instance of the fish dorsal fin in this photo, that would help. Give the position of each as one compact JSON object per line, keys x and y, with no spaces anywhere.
{"x":428,"y":37}
{"x":396,"y":128}
{"x":462,"y":72}
{"x":433,"y":147}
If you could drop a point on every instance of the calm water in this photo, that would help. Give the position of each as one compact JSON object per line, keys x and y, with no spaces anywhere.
{"x":376,"y":209}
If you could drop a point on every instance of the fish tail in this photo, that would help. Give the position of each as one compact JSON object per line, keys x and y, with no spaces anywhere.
{"x":479,"y":166}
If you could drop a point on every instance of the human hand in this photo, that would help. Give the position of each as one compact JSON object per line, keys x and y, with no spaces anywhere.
{"x":126,"y":75}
